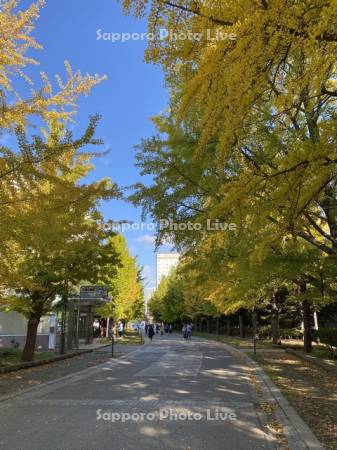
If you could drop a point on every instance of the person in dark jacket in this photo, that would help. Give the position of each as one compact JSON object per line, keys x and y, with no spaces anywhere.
{"x":150,"y":332}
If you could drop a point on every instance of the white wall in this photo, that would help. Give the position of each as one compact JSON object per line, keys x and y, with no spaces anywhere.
{"x":15,"y":324}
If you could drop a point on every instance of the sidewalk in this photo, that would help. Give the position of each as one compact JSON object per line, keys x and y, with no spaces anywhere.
{"x":20,"y":380}
{"x":175,"y":395}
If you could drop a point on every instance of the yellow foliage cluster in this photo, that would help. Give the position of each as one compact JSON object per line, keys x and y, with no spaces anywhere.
{"x":260,"y":113}
{"x":47,"y":211}
{"x":15,"y":41}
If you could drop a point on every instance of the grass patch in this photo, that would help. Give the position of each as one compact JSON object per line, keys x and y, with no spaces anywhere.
{"x":9,"y":357}
{"x":319,"y":350}
{"x":235,"y":341}
{"x":322,"y":351}
{"x":131,"y":338}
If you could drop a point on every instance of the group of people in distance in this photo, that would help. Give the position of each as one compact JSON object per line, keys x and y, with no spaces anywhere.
{"x":160,"y":328}
{"x":118,"y":329}
{"x":115,"y":328}
{"x":157,"y":328}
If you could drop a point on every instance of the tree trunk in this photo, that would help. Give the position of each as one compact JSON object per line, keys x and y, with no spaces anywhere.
{"x":228,"y":321}
{"x":275,"y":323}
{"x":315,"y":321}
{"x":217,"y":329}
{"x":197,"y":325}
{"x":29,"y":348}
{"x":254,"y":329}
{"x":241,"y":325}
{"x":208,"y":325}
{"x":307,"y":322}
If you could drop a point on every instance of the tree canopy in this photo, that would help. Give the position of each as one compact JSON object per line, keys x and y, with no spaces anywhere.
{"x":248,"y":138}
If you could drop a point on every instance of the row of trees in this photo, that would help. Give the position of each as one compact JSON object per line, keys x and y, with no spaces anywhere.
{"x":52,"y":235}
{"x":278,"y":316}
{"x":125,"y":284}
{"x":249,"y":137}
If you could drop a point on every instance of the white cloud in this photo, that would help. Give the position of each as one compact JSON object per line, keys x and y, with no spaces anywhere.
{"x":146,"y":239}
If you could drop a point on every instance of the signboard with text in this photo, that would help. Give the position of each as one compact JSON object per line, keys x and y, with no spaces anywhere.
{"x":93,"y":292}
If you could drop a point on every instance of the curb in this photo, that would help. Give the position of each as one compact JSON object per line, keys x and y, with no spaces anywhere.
{"x":29,"y":364}
{"x":296,"y":431}
{"x":313,"y":360}
{"x":81,"y":374}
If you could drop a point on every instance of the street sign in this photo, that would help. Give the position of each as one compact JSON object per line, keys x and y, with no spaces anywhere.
{"x":93,"y":292}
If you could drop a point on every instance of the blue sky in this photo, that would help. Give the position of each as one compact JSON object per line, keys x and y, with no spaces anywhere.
{"x":135,"y":91}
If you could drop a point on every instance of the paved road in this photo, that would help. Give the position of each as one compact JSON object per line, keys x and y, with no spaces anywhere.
{"x":171,"y":394}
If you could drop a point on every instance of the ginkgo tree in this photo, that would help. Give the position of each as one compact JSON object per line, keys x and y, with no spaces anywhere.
{"x":167,"y":302}
{"x":263,"y":107}
{"x":176,"y":300}
{"x":58,"y":239}
{"x":125,"y":284}
{"x":50,"y":229}
{"x":44,"y":101}
{"x":19,"y":164}
{"x":266,"y":101}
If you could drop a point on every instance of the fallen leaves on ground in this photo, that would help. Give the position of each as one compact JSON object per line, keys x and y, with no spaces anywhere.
{"x":13,"y":382}
{"x":311,"y":390}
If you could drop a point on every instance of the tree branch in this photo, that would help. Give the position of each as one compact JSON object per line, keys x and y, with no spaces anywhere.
{"x":197,"y":12}
{"x":324,"y":248}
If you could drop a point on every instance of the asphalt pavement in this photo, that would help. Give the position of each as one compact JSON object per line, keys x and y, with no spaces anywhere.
{"x":169,"y":394}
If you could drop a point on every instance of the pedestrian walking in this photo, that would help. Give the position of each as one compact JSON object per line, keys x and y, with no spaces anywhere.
{"x":151,"y":332}
{"x":114,"y":330}
{"x":189,"y":332}
{"x":120,"y":329}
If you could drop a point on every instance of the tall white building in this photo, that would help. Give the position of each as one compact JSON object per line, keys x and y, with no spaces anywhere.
{"x":165,"y":263}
